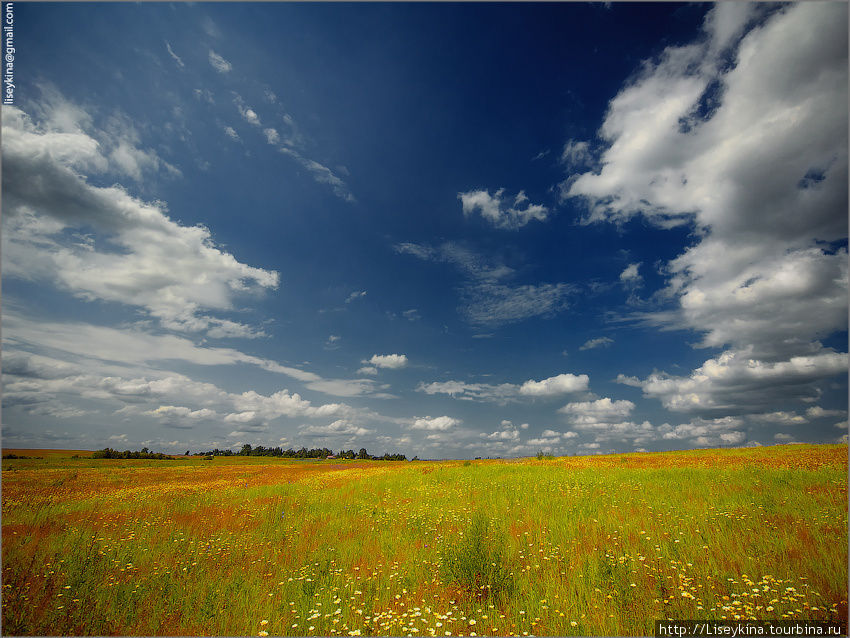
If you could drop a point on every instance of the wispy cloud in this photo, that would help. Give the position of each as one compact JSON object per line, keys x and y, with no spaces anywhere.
{"x":248,"y":114}
{"x":210,"y":27}
{"x":219,"y":63}
{"x":321,"y":173}
{"x":503,"y":213}
{"x":484,"y":392}
{"x":470,"y":263}
{"x":598,"y":342}
{"x":485,"y":299}
{"x":357,"y":294}
{"x":575,"y":154}
{"x":204,"y":95}
{"x":174,"y":56}
{"x":501,"y":393}
{"x":494,"y":305}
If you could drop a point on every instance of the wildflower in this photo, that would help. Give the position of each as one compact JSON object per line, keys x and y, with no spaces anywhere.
{"x":263,"y":633}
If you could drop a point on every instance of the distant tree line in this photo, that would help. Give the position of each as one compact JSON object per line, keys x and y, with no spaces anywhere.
{"x":249,"y":450}
{"x":109,"y":453}
{"x":303,"y":453}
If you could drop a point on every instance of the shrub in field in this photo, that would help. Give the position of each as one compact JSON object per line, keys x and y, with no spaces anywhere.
{"x":474,"y":562}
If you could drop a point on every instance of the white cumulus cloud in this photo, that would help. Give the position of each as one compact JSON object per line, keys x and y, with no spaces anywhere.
{"x":340,"y":427}
{"x":743,"y":135}
{"x":583,"y":413}
{"x":736,"y":382}
{"x":553,"y":386}
{"x":135,"y":253}
{"x":438,"y":424}
{"x":390,"y":361}
{"x":631,"y":277}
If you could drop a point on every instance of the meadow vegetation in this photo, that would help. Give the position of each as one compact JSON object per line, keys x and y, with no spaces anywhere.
{"x":565,"y":546}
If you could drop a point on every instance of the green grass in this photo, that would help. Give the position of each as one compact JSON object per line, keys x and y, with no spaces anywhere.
{"x":474,"y":562}
{"x":566,"y":546}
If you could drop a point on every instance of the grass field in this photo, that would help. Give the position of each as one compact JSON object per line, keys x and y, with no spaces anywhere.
{"x":567,"y":546}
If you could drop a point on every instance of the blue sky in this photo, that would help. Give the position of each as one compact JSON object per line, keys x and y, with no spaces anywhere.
{"x":447,"y":230}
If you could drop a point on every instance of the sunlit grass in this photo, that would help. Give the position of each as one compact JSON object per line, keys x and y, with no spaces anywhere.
{"x":569,"y":546}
